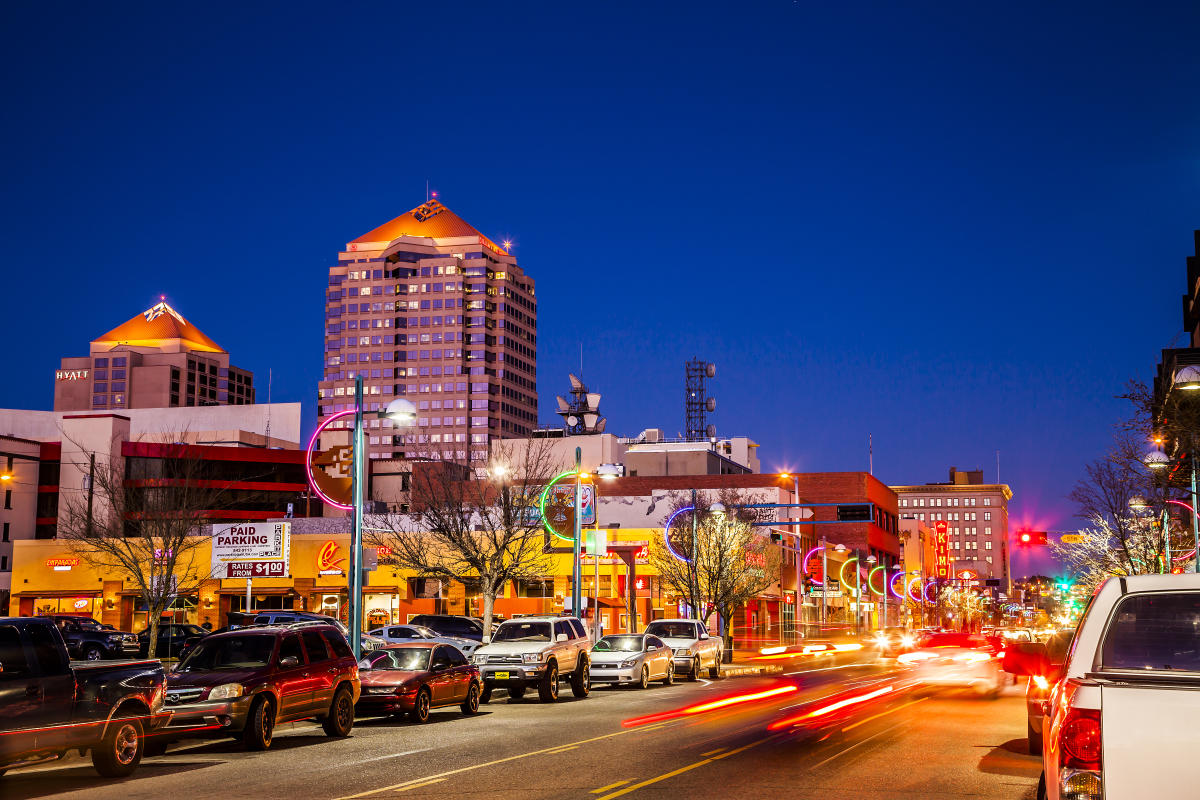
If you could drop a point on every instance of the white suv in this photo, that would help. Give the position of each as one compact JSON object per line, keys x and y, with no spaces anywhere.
{"x":536,"y":651}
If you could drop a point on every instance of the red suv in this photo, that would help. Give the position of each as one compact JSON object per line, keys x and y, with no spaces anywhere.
{"x":246,"y":681}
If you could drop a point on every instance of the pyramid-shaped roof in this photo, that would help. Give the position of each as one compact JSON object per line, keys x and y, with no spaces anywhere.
{"x":154,"y":327}
{"x":430,"y":219}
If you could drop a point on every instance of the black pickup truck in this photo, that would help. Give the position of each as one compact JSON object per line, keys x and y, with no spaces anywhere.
{"x":50,"y":705}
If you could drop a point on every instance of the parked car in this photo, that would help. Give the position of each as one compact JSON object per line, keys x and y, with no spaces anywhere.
{"x":536,"y":651}
{"x":245,"y":682}
{"x":632,"y":658}
{"x":395,"y":634}
{"x":452,"y":625}
{"x":956,"y":660}
{"x":1037,"y":690}
{"x":1119,"y":719}
{"x":693,"y":647}
{"x":366,"y":641}
{"x":51,"y":706}
{"x":413,"y":677}
{"x":173,"y":640}
{"x":88,"y":640}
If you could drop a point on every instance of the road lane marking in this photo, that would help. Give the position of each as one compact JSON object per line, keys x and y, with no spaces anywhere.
{"x":421,"y":781}
{"x":856,"y":744}
{"x":606,"y":788}
{"x":421,"y":785}
{"x":883,"y":714}
{"x":384,"y":758}
{"x":563,"y":749}
{"x":688,"y":768}
{"x":713,"y":752}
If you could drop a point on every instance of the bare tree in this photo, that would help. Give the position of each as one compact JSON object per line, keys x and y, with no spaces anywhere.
{"x":469,"y":527}
{"x":143,"y":519}
{"x":734,"y":563}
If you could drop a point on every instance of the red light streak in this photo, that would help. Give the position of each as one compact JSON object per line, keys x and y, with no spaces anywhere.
{"x":712,"y":705}
{"x":830,"y":708}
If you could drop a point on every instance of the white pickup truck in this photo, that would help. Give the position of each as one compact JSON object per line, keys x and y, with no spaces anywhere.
{"x":694,"y":648}
{"x":1120,"y":722}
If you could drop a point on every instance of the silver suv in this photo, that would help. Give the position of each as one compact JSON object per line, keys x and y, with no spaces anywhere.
{"x":536,"y":651}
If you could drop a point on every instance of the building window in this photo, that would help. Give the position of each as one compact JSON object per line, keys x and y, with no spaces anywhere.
{"x":987,"y":516}
{"x":904,"y":502}
{"x":8,"y":498}
{"x":987,"y":530}
{"x":3,"y":563}
{"x":987,"y":545}
{"x":989,"y":559}
{"x":6,"y":531}
{"x":987,"y":501}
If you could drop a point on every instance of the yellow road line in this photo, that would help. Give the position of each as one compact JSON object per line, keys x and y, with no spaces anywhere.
{"x":421,"y":781}
{"x":606,"y":788}
{"x":563,"y":749}
{"x":421,"y":785}
{"x":883,"y":714}
{"x":713,"y":752}
{"x":681,"y":770}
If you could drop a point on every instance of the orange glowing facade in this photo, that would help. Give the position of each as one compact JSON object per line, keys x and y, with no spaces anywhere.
{"x":155,"y":360}
{"x":426,"y":307}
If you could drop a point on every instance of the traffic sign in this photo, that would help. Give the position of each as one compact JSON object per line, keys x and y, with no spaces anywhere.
{"x":1071,"y":538}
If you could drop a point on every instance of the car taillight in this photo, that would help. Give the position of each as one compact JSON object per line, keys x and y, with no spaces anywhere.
{"x":1080,"y":739}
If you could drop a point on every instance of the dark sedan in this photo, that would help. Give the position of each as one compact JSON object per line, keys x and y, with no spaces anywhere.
{"x":174,"y":640}
{"x":415,"y":677}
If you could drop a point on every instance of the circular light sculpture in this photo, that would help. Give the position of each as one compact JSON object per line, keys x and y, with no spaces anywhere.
{"x":871,"y":577}
{"x":925,"y":593}
{"x":312,"y":443}
{"x":842,"y":575}
{"x":667,"y":534}
{"x":892,"y":584}
{"x":542,"y":506}
{"x":807,"y":556}
{"x":908,"y":590}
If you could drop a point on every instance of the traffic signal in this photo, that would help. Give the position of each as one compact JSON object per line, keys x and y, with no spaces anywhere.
{"x":1032,"y":538}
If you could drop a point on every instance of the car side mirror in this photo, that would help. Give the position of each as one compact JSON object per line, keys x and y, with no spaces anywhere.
{"x":703,"y":636}
{"x":562,"y":637}
{"x":1026,"y":658}
{"x":289,"y":661}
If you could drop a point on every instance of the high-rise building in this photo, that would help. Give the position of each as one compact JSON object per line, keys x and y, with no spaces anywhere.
{"x":156,"y":360}
{"x":426,"y":307}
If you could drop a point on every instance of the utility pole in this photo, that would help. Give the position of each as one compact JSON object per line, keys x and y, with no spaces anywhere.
{"x":695,"y":574}
{"x":577,"y":579}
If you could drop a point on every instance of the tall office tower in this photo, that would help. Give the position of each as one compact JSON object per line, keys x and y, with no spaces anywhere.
{"x":428,"y":308}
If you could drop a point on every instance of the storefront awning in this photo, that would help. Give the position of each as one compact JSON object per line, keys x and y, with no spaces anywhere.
{"x":82,"y":593}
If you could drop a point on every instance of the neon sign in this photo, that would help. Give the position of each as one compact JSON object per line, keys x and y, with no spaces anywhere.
{"x":327,"y":561}
{"x":70,"y":375}
{"x":941,"y":551}
{"x":62,"y":563}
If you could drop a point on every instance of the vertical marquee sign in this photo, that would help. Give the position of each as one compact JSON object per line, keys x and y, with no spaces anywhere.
{"x":941,"y":551}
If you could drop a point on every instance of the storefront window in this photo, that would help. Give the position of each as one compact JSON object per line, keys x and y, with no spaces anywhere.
{"x":80,"y":606}
{"x":268,"y":602}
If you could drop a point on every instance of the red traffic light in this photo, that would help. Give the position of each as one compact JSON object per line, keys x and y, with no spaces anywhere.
{"x":1032,"y":538}
{"x":1025,"y":537}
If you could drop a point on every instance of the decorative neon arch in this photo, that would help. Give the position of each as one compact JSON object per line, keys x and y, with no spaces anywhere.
{"x":667,"y":534}
{"x":312,"y":443}
{"x":807,"y":556}
{"x":925,"y":593}
{"x":842,"y":574}
{"x":1190,"y":553}
{"x":891,"y":584}
{"x":908,"y":590}
{"x":542,"y":506}
{"x":871,"y":577}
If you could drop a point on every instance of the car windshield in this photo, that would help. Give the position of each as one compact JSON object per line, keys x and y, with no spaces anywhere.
{"x":522,"y":632}
{"x":672,"y":630}
{"x":229,"y":652}
{"x":623,"y":644}
{"x":967,"y":640}
{"x":407,"y":658}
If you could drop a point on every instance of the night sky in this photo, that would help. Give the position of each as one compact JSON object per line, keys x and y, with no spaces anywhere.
{"x":958,"y":227}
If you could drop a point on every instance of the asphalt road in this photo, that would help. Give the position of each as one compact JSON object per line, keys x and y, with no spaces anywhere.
{"x":894,"y":744}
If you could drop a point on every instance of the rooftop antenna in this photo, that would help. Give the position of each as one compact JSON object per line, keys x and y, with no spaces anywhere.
{"x":870,"y":454}
{"x":427,"y":190}
{"x":581,"y":359}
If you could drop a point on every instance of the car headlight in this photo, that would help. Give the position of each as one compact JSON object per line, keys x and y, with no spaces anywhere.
{"x":632,"y":662}
{"x":480,"y":658}
{"x":226,"y":691}
{"x":531,"y":658}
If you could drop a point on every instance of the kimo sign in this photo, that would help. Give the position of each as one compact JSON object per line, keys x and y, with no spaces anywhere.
{"x":251,"y":550}
{"x":941,"y":550}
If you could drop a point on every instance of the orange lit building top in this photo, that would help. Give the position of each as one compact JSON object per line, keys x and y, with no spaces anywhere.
{"x":156,"y":327}
{"x":432,"y":220}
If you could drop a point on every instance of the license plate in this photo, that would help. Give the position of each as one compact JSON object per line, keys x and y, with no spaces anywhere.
{"x":501,"y":676}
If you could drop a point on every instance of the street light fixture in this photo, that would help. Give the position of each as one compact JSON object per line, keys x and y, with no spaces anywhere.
{"x":1156,"y":459}
{"x":1138,"y":503}
{"x":1187,"y":379}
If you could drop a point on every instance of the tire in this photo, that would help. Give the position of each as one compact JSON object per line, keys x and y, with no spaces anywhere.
{"x":516,"y":692}
{"x":93,"y":653}
{"x":485,"y":696}
{"x":1035,"y":740}
{"x":470,"y":706}
{"x":420,"y":711}
{"x":714,"y":671}
{"x":340,"y":720}
{"x":1041,"y":790}
{"x":120,"y":751}
{"x":260,"y":725}
{"x":154,"y":746}
{"x":548,"y":685}
{"x":694,"y":672}
{"x":644,"y":680}
{"x":670,"y":679}
{"x":581,"y":679}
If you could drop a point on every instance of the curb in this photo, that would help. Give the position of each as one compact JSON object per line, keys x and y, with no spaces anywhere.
{"x":747,"y":670}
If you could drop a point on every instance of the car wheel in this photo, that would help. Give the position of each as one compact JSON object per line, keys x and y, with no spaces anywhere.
{"x":714,"y":671}
{"x":644,"y":680}
{"x":548,"y":686}
{"x":1035,"y":740}
{"x":120,"y":750}
{"x":486,"y":695}
{"x":92,"y":653}
{"x":694,"y":672}
{"x":471,"y":704}
{"x":259,"y":726}
{"x":581,"y":679}
{"x":516,"y":692}
{"x":154,"y":746}
{"x":667,"y":681}
{"x":420,"y":711}
{"x":340,"y":720}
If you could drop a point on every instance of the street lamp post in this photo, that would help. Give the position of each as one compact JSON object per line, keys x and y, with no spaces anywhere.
{"x":578,"y":532}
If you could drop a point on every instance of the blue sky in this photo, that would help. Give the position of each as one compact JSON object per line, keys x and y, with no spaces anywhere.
{"x":957,"y":227}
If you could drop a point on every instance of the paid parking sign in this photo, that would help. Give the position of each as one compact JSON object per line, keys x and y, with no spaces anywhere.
{"x":260,"y":549}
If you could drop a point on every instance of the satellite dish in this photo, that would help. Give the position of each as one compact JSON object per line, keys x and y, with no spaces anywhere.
{"x":711,"y":430}
{"x":572,"y":420}
{"x":711,"y":370}
{"x":711,"y":404}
